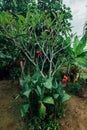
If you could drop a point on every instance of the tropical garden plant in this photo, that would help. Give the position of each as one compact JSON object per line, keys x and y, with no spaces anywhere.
{"x":41,"y":33}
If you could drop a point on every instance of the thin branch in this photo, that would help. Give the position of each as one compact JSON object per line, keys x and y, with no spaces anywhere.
{"x":43,"y":64}
{"x":29,"y":58}
{"x":57,"y":68}
{"x":61,"y":49}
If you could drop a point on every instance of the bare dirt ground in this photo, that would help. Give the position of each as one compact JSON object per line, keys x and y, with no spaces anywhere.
{"x":9,"y":108}
{"x":76,"y":114}
{"x":75,"y":117}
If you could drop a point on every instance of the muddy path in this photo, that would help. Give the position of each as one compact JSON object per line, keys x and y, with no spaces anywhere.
{"x":75,"y":116}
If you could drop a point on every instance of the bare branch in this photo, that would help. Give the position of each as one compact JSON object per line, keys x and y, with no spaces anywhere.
{"x":61,"y":49}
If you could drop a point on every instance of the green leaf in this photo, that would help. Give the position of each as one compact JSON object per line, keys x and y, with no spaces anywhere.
{"x":37,"y":76}
{"x":83,"y":54}
{"x":42,"y":110}
{"x":81,"y":46}
{"x":4,"y":56}
{"x":75,"y":44}
{"x":65,"y":97}
{"x":21,"y":82}
{"x":55,"y":95}
{"x":24,"y":82}
{"x":27,"y":78}
{"x":81,"y":62}
{"x":48,"y":100}
{"x":48,"y":83}
{"x":39,"y":90}
{"x":24,"y":109}
{"x":27,"y":93}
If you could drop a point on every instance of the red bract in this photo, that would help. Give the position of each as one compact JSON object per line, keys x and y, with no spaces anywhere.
{"x":39,"y":53}
{"x":21,"y":63}
{"x":65,"y":79}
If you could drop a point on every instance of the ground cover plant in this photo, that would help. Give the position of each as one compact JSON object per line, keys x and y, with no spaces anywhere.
{"x":41,"y":37}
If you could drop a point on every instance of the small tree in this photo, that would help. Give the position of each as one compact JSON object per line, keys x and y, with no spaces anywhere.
{"x":40,"y":30}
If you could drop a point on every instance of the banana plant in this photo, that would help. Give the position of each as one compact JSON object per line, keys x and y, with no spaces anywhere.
{"x":78,"y":52}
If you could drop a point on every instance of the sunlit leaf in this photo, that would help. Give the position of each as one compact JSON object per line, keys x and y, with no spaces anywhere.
{"x":48,"y":100}
{"x":65,"y":97}
{"x":48,"y":83}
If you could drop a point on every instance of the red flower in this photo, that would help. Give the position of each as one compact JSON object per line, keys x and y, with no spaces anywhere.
{"x":21,"y":63}
{"x":39,"y":53}
{"x":63,"y":128}
{"x":65,"y":79}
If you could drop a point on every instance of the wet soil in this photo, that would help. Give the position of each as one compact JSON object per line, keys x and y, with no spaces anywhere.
{"x":75,"y":117}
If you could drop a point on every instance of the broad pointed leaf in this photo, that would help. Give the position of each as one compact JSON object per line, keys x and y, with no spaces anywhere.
{"x":55,"y":95}
{"x":27,"y":93}
{"x":48,"y":83}
{"x":48,"y":100}
{"x":65,"y":97}
{"x":42,"y":110}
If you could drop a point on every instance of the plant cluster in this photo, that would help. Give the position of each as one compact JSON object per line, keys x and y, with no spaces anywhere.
{"x":42,"y":96}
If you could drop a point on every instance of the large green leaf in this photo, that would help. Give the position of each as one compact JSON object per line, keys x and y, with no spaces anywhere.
{"x":48,"y":100}
{"x":75,"y":44}
{"x":48,"y":83}
{"x":81,"y":46}
{"x":24,"y":109}
{"x":42,"y":110}
{"x":81,"y":62}
{"x":65,"y":97}
{"x":83,"y":54}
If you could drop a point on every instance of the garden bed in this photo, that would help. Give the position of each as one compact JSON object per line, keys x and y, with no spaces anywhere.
{"x":75,"y":117}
